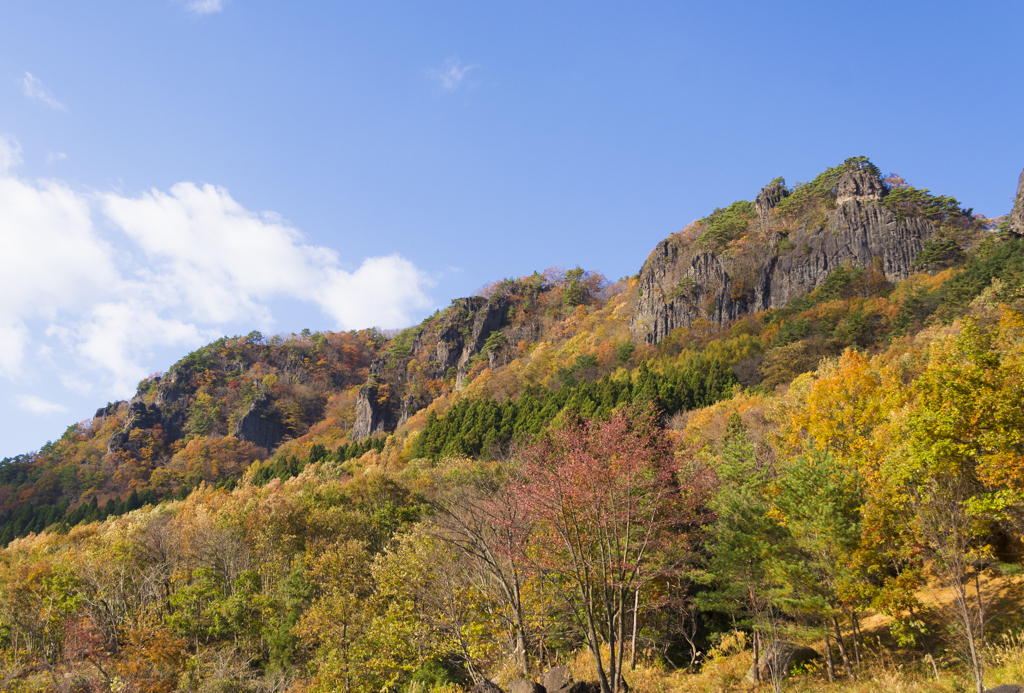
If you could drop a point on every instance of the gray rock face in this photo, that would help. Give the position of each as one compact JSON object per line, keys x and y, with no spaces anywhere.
{"x":138,"y":415}
{"x":525,"y":686}
{"x":782,"y":656}
{"x":169,"y":411}
{"x":860,"y":186}
{"x":1007,"y":688}
{"x":173,"y":400}
{"x":459,"y":338}
{"x":410,"y":405}
{"x":372,"y":415}
{"x":681,"y":283}
{"x":766,"y":200}
{"x":1017,"y":215}
{"x":110,"y":410}
{"x":556,"y":678}
{"x":261,"y":425}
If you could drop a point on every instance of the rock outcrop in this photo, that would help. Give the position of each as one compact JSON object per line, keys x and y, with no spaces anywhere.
{"x":168,"y":411}
{"x":779,"y":659}
{"x":446,"y":347}
{"x":261,"y":425}
{"x":859,"y":186}
{"x":767,"y":199}
{"x":682,"y":282}
{"x":373,"y":414}
{"x":1016,"y":224}
{"x":103,"y":413}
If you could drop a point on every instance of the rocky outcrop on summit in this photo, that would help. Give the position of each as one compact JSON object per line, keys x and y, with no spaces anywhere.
{"x":767,"y":199}
{"x":683,"y":281}
{"x":859,"y":186}
{"x":1016,"y":225}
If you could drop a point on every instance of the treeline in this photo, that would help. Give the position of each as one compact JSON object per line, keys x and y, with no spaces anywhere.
{"x":482,"y":426}
{"x":36,"y":518}
{"x":284,"y":466}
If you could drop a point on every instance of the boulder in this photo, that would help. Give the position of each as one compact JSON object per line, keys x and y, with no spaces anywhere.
{"x":556,"y":678}
{"x":1006,"y":688}
{"x":583,"y":687}
{"x":524,"y":686}
{"x":782,"y":656}
{"x":487,"y":686}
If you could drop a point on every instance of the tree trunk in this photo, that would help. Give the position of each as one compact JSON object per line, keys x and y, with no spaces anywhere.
{"x":521,"y":652}
{"x":828,"y":659}
{"x":975,"y":662}
{"x":842,"y":648}
{"x":757,"y":655}
{"x":981,"y":608}
{"x":856,"y":636}
{"x":636,"y":611}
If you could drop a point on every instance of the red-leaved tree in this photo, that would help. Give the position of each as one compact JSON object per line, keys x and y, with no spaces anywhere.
{"x":610,"y":514}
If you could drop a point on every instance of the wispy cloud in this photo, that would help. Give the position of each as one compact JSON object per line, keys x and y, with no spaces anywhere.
{"x":201,"y":7}
{"x":55,"y":156}
{"x":452,"y":75}
{"x":34,"y":89}
{"x":38,"y":405}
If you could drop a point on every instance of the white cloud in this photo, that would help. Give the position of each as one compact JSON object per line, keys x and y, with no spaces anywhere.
{"x":92,"y":286}
{"x":38,"y":405}
{"x":201,"y":7}
{"x":34,"y":89}
{"x":383,"y":291}
{"x":219,"y":257}
{"x":115,"y":335}
{"x":10,"y":153}
{"x":53,"y":261}
{"x":55,"y":156}
{"x":451,"y":76}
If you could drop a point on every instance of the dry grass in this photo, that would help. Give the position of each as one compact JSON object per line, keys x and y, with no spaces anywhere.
{"x":882,"y":669}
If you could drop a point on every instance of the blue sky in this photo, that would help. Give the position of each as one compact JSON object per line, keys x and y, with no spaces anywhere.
{"x":171,"y":170}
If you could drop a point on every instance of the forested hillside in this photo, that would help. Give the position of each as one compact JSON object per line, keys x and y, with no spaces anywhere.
{"x":798,"y":426}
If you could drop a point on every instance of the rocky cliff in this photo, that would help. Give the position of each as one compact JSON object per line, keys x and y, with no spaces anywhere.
{"x":451,"y":346}
{"x":1016,"y":224}
{"x":787,"y":254}
{"x":168,"y":411}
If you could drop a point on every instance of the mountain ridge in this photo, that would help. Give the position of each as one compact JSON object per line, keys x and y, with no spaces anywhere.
{"x":751,"y":258}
